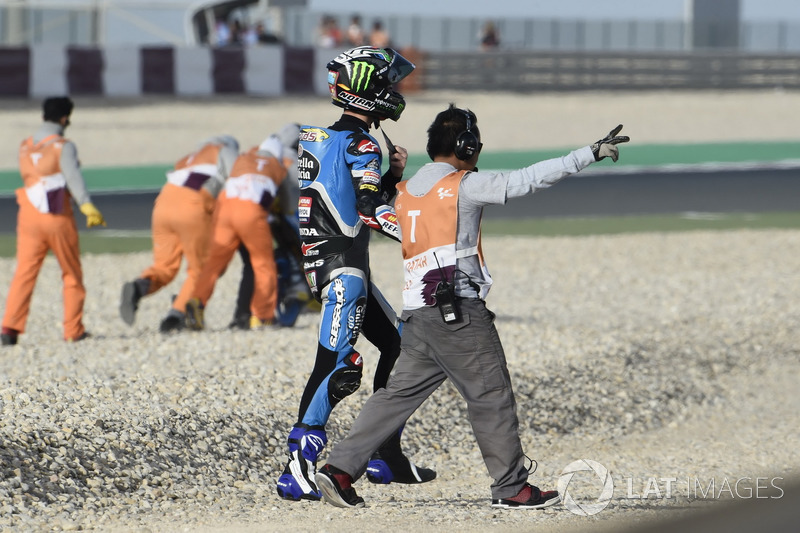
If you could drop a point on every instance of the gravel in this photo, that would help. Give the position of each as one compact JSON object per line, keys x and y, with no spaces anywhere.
{"x":656,"y":355}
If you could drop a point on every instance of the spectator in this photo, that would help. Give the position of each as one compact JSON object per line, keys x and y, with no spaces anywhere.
{"x":222,"y":33}
{"x":263,"y":36}
{"x":329,"y":34}
{"x":355,"y":34}
{"x":490,"y":39}
{"x":250,"y":34}
{"x":237,"y":33}
{"x":379,"y":37}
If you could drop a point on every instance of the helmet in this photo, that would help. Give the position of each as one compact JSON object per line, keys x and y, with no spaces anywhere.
{"x":361,"y":80}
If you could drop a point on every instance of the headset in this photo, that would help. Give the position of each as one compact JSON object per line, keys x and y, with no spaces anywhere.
{"x":467,"y":143}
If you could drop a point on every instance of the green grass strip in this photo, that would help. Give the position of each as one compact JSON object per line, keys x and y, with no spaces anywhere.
{"x":152,"y":177}
{"x":109,"y":241}
{"x":92,"y":242}
{"x":646,"y":155}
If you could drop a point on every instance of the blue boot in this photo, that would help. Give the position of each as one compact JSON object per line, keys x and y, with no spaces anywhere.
{"x":390,"y":465}
{"x":297,"y":481}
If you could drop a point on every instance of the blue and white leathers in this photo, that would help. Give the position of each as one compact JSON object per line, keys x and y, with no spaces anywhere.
{"x":341,"y":192}
{"x":339,"y":171}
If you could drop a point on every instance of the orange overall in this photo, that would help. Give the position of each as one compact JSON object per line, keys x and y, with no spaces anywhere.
{"x":241,"y":217}
{"x":181,"y":224}
{"x":45,"y":222}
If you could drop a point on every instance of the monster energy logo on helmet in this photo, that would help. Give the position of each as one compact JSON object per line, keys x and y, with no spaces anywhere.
{"x":362,"y":74}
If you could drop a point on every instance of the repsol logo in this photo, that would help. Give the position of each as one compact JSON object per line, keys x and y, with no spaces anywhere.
{"x":307,"y":167}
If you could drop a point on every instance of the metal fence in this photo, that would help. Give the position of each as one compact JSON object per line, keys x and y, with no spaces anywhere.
{"x":560,"y":71}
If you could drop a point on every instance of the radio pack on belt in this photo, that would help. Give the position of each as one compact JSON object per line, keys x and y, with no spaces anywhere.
{"x":446,"y":298}
{"x":446,"y":302}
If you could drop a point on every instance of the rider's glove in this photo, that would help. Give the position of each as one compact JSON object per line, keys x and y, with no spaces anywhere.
{"x":384,"y":221}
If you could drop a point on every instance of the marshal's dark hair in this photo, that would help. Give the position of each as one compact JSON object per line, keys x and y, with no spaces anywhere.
{"x":56,"y":107}
{"x":445,"y":129}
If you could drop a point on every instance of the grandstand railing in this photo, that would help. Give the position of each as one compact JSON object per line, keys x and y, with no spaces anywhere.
{"x":277,"y":70}
{"x":568,"y":71}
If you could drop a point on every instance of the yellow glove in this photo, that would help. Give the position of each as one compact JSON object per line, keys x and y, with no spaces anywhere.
{"x":93,"y":216}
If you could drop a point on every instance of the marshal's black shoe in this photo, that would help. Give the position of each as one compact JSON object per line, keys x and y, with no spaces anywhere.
{"x":172,"y":323}
{"x":529,"y":497}
{"x":336,"y":488}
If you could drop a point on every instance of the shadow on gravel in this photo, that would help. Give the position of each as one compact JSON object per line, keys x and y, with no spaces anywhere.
{"x":777,"y":513}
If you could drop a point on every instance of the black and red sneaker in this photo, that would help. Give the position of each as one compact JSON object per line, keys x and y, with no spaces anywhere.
{"x":336,"y":487}
{"x":530,"y":497}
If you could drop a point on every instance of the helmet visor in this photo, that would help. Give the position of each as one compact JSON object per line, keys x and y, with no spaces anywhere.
{"x":399,"y":68}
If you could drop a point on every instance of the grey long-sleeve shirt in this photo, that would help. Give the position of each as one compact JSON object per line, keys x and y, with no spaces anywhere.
{"x":227,"y":157}
{"x":70,"y":166}
{"x":479,"y":189}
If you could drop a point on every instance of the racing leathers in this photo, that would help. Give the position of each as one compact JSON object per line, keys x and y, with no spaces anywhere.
{"x":342,"y":196}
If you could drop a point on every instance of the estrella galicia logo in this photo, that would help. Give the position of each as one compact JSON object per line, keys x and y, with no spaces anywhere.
{"x":362,"y":74}
{"x":307,"y":167}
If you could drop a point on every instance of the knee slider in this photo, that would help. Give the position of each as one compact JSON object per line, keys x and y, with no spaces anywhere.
{"x":345,"y":380}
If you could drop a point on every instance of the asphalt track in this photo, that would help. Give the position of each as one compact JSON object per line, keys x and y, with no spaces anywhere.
{"x":629,"y":193}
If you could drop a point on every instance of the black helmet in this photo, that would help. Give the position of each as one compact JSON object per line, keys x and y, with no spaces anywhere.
{"x":361,"y":80}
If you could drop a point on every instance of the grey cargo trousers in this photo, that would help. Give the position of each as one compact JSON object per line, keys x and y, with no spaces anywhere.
{"x":470,"y":354}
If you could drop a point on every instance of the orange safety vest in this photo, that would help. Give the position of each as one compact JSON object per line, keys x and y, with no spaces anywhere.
{"x":196,"y":168}
{"x":255,"y":178}
{"x":40,"y":167}
{"x":429,"y":224}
